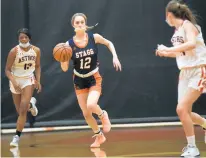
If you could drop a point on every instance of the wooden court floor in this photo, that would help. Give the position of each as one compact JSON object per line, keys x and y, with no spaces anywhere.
{"x":122,"y":142}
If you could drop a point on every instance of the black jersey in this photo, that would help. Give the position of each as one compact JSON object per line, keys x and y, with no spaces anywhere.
{"x":85,"y":59}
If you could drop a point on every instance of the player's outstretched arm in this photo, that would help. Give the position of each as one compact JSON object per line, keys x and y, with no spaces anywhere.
{"x":101,"y":40}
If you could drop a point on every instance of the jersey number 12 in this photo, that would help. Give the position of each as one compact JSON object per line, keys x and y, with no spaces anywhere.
{"x":85,"y":63}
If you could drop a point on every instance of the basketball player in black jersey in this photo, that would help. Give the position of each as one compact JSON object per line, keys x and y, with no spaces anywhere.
{"x":87,"y":80}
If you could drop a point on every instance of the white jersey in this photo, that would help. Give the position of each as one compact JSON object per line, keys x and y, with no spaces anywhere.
{"x":24,"y":64}
{"x":191,"y":58}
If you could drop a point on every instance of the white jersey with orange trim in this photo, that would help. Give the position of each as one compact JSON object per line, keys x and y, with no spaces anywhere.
{"x":24,"y":64}
{"x":191,"y":58}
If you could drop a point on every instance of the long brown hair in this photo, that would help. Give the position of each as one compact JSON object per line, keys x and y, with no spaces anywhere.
{"x":85,"y":18}
{"x":181,"y":11}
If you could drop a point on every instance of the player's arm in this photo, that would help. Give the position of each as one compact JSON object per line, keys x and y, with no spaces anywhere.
{"x":65,"y":65}
{"x":191,"y":33}
{"x":10,"y":60}
{"x":38,"y":68}
{"x":38,"y":64}
{"x":101,"y":40}
{"x":171,"y":55}
{"x":166,"y":54}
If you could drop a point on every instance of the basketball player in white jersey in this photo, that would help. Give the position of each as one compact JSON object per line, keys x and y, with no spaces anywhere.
{"x":190,"y":53}
{"x":22,"y":61}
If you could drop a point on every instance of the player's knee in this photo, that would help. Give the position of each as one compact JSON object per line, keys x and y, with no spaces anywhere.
{"x":22,"y":112}
{"x":87,"y":114}
{"x":17,"y":109}
{"x":91,"y":106}
{"x":181,"y":111}
{"x":23,"y":108}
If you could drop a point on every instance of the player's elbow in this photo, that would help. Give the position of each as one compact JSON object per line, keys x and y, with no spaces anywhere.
{"x":109,"y":43}
{"x":7,"y":71}
{"x":37,"y":66}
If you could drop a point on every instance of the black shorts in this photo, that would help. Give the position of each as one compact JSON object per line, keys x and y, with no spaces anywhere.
{"x":84,"y":85}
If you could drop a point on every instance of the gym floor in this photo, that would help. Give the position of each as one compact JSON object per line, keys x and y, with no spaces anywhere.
{"x":121,"y":142}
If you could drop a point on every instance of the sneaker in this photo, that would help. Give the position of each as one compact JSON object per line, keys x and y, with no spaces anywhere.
{"x":15,"y":152}
{"x":15,"y":141}
{"x":105,"y":122}
{"x":190,"y":151}
{"x":33,"y":109}
{"x":98,"y":152}
{"x":100,"y":138}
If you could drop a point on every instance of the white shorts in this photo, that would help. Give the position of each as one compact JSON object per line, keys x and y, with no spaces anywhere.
{"x":191,"y":78}
{"x":23,"y":82}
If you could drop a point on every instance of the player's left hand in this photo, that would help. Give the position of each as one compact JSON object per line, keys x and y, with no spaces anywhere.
{"x":203,"y":85}
{"x":117,"y":64}
{"x":38,"y":86}
{"x":161,"y":50}
{"x":161,"y":53}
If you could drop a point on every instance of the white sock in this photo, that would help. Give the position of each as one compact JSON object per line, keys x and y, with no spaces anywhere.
{"x":191,"y":140}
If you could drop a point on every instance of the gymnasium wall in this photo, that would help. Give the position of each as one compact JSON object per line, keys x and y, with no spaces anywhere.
{"x":146,"y":89}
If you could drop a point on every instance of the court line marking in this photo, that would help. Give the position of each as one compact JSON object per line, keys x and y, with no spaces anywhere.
{"x":158,"y":154}
{"x":46,"y":129}
{"x":152,"y":154}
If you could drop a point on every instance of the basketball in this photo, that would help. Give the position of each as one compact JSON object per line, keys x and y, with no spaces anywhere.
{"x":62,"y":52}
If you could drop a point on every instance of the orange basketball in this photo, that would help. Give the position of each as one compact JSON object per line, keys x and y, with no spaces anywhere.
{"x":62,"y":52}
